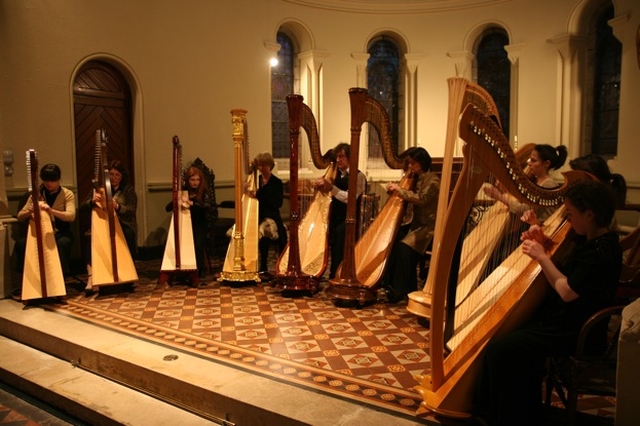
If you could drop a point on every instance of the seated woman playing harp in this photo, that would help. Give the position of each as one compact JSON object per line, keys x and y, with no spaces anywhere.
{"x":401,"y":277}
{"x":270,"y":195}
{"x":60,"y":204}
{"x":113,"y":266}
{"x":543,"y":159}
{"x":509,"y":386}
{"x":125,"y":203}
{"x":340,"y":195}
{"x":196,"y":197}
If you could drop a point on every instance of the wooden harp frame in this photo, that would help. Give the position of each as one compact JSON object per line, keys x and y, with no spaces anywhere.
{"x":448,"y":388}
{"x":365,"y":261}
{"x":179,"y":255}
{"x":461,"y":93}
{"x":42,"y":277}
{"x":111,"y":261}
{"x":292,"y":273}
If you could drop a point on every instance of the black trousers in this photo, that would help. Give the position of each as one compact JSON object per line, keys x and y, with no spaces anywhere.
{"x":509,"y":386}
{"x":64,"y":241}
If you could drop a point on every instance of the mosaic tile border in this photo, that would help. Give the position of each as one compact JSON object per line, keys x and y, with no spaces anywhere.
{"x":299,"y":371}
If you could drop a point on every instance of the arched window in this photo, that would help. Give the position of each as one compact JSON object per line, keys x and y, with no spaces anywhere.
{"x":383,"y":84}
{"x":606,"y":102}
{"x":494,"y":71}
{"x":281,"y":86}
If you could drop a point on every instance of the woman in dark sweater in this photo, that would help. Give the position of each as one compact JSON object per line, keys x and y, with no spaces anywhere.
{"x":270,"y":195}
{"x":510,"y":382}
{"x":196,"y":196}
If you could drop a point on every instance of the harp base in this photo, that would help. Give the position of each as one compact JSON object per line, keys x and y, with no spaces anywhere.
{"x":425,"y":409}
{"x":420,"y":304}
{"x":349,"y":290}
{"x":32,"y":303}
{"x":239,"y":277}
{"x":167,"y":277}
{"x":433,"y":404}
{"x":296,"y":283}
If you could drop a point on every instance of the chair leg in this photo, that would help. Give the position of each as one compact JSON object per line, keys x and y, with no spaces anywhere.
{"x":572,"y":398}
{"x":548,"y":388}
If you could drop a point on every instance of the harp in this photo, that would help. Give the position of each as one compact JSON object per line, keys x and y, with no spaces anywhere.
{"x":364,"y":264}
{"x":241,"y":261}
{"x":480,"y":244}
{"x":111,"y":261}
{"x":179,"y":253}
{"x":42,"y":277}
{"x":461,"y":93}
{"x":512,"y":291}
{"x":300,"y":267}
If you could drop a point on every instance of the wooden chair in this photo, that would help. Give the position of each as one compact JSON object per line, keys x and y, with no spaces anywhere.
{"x":588,"y":371}
{"x":629,"y":287}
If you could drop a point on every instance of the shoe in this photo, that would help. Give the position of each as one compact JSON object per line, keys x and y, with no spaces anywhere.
{"x":266,"y":276}
{"x":393,"y":297}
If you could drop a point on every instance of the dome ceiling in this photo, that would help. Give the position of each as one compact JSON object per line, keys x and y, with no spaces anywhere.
{"x":395,"y":6}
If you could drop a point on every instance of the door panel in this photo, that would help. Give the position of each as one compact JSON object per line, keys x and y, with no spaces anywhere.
{"x":102,"y":100}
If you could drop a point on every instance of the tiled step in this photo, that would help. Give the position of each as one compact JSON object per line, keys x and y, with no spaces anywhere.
{"x":105,"y":377}
{"x":91,"y":398}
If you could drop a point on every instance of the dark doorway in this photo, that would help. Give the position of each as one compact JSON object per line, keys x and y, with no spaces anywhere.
{"x":102,"y":100}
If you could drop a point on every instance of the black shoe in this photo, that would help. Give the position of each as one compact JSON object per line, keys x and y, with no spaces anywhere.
{"x":266,"y":276}
{"x":17,"y":295}
{"x":393,"y":297}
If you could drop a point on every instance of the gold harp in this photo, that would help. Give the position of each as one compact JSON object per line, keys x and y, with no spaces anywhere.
{"x":512,"y":291}
{"x":42,"y":276}
{"x":179,"y":252}
{"x":300,"y":267}
{"x":241,"y":262}
{"x":364,"y":264}
{"x":111,"y":261}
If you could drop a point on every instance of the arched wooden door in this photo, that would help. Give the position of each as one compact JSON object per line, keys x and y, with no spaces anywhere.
{"x":102,"y":100}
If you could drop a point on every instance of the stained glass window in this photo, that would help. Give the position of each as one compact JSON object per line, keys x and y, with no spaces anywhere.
{"x":494,"y":71}
{"x":383,"y":71}
{"x":281,"y":87}
{"x":607,"y":87}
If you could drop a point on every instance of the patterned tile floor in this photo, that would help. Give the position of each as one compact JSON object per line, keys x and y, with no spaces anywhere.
{"x":369,"y":355}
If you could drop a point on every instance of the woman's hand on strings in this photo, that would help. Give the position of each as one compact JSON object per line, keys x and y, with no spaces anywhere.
{"x":533,"y":242}
{"x":392,"y":187}
{"x":491,"y":191}
{"x":530,"y":217}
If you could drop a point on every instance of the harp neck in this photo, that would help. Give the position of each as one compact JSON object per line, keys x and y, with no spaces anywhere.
{"x":176,"y":186}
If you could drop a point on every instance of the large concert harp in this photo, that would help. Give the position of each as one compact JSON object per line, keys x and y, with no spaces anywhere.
{"x":461,"y":93}
{"x":363,"y":265}
{"x":42,"y":275}
{"x":111,"y":261}
{"x":300,"y":267}
{"x":493,"y":225}
{"x":241,"y":262}
{"x":505,"y":299}
{"x":179,"y":252}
